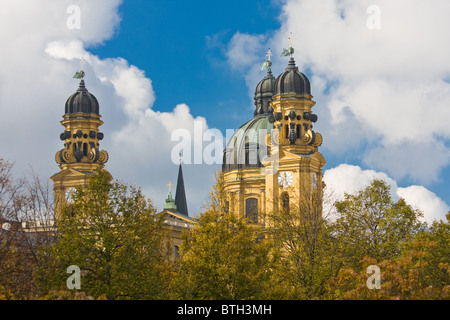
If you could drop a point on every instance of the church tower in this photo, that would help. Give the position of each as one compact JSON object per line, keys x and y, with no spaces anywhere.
{"x":272,"y":164}
{"x":294,"y":172}
{"x":242,"y":168}
{"x":81,"y":154}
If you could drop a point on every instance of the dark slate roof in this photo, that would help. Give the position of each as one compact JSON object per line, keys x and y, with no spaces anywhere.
{"x":292,"y":81}
{"x":82,"y":101}
{"x":263,"y":94}
{"x":180,"y":196}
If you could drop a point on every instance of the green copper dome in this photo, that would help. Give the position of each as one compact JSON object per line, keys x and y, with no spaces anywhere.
{"x":247,"y":147}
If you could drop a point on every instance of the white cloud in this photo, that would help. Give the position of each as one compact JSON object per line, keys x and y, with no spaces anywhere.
{"x":391,"y":80}
{"x":244,"y":49}
{"x":350,"y":179}
{"x":375,"y":85}
{"x":347,"y":178}
{"x":41,"y":55}
{"x":410,"y":159}
{"x":242,"y":52}
{"x":141,"y":152}
{"x":382,"y":95}
{"x":426,"y":201}
{"x":134,"y":88}
{"x":382,"y":89}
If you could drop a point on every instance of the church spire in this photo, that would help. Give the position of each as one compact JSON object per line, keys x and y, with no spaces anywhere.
{"x":180,"y":195}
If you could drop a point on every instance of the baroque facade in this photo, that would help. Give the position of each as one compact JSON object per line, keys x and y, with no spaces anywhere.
{"x":272,"y":162}
{"x":81,"y":155}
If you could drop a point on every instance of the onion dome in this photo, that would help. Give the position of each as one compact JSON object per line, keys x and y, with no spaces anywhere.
{"x":82,"y":101}
{"x":292,"y":81}
{"x":247,"y":146}
{"x":263,"y":94}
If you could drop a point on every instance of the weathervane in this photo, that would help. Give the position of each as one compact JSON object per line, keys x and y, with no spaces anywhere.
{"x":290,"y":51}
{"x":266,"y":64}
{"x":80,"y":74}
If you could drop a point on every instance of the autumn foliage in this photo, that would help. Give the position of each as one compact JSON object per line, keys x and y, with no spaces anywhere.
{"x":117,"y":238}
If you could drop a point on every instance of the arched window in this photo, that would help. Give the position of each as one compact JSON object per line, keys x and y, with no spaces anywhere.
{"x":251,"y":210}
{"x":285,"y":202}
{"x":85,"y":149}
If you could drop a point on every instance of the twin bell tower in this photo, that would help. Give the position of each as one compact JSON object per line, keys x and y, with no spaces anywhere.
{"x":270,"y":164}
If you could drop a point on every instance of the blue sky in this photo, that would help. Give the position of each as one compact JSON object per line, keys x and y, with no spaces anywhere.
{"x":382,"y":92}
{"x":182,"y":46}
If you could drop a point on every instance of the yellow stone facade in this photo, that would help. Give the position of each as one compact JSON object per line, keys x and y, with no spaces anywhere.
{"x":80,"y":155}
{"x":291,"y":173}
{"x":242,"y":185}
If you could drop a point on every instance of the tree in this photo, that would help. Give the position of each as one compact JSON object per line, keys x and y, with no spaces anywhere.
{"x":371,"y":224}
{"x":224,"y":256}
{"x":22,"y":200}
{"x":373,"y":230}
{"x":116,"y":238}
{"x":432,"y":248}
{"x":302,"y":237}
{"x":8,"y":254}
{"x":421,"y":272}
